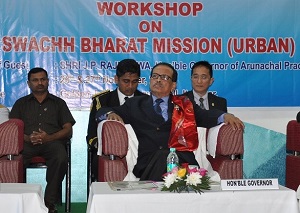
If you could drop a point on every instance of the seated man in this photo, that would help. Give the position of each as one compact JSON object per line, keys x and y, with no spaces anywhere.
{"x":162,"y":120}
{"x":47,"y":127}
{"x":127,"y":77}
{"x":202,"y":79}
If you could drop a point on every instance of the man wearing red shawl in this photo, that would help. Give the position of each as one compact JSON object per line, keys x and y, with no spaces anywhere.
{"x":174,"y":125}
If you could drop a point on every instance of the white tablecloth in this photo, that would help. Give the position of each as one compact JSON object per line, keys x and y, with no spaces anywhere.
{"x":104,"y":200}
{"x":21,"y":198}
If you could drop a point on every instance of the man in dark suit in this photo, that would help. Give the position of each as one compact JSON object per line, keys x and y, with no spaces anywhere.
{"x":155,"y":130}
{"x":127,"y":78}
{"x":298,"y":117}
{"x":202,"y":79}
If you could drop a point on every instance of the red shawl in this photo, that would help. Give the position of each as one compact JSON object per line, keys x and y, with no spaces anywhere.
{"x":184,"y":136}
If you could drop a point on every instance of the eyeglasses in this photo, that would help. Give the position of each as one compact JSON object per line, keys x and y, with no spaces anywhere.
{"x":162,"y":77}
{"x":203,"y":77}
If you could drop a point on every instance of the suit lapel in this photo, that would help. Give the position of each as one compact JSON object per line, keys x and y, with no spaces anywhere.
{"x":190,"y":95}
{"x":149,"y":112}
{"x":211,"y":100}
{"x":114,"y":98}
{"x":170,"y":108}
{"x":138,"y":93}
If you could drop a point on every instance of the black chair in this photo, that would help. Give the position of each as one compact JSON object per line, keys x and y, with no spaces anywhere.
{"x":91,"y":177}
{"x":89,"y":169}
{"x":39,"y":162}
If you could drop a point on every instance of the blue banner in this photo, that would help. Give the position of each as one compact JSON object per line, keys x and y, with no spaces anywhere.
{"x":251,"y":44}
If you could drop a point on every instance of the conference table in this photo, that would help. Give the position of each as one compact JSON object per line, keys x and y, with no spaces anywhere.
{"x":102,"y":199}
{"x":21,"y":198}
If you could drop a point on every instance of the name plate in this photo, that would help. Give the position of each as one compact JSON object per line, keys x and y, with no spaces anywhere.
{"x":249,"y":184}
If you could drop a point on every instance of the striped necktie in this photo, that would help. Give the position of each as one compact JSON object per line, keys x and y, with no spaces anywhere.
{"x":201,"y":103}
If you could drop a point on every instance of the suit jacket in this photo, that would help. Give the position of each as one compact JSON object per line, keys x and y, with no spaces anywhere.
{"x":214,"y":102}
{"x":151,"y":129}
{"x":103,"y":99}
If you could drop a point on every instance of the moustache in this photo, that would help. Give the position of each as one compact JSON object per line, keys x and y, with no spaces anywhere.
{"x":158,"y":84}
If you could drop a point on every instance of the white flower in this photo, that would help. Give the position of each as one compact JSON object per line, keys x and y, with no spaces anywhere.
{"x":170,"y":179}
{"x":193,"y":178}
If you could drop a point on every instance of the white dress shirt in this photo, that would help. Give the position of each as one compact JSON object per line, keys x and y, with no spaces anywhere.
{"x":205,"y":99}
{"x":122,"y":97}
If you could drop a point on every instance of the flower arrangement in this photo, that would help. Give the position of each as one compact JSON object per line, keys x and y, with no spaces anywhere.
{"x":187,"y":179}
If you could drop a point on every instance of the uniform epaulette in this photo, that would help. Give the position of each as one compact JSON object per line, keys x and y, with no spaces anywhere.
{"x":96,"y":99}
{"x":93,"y":141}
{"x":100,"y":93}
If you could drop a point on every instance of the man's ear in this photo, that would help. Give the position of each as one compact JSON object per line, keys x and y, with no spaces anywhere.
{"x":173,"y":86}
{"x":211,"y":81}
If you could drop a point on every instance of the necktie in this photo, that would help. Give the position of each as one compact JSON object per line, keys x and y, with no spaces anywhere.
{"x":157,"y":108}
{"x":201,"y":103}
{"x":124,"y":100}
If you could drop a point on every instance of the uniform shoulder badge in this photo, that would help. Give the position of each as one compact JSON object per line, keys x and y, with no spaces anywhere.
{"x":100,"y":93}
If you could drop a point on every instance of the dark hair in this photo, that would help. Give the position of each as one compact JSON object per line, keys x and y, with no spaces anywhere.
{"x":36,"y":70}
{"x":298,"y":117}
{"x":204,"y":64}
{"x":175,"y":74}
{"x":128,"y":65}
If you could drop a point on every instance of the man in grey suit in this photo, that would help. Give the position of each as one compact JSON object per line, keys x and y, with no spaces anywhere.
{"x":202,"y":79}
{"x":154,"y":129}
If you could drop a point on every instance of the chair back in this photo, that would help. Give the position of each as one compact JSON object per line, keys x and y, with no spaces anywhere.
{"x":230,"y":147}
{"x":11,"y":137}
{"x":11,"y":145}
{"x":112,"y":162}
{"x":293,"y":136}
{"x":293,"y":155}
{"x":230,"y":142}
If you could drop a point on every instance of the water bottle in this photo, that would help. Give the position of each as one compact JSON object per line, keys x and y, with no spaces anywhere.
{"x":172,"y":160}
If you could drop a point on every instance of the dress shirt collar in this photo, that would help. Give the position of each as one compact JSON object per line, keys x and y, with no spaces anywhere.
{"x":31,"y":96}
{"x":122,"y":96}
{"x":205,"y":99}
{"x":165,"y":99}
{"x":163,"y":105}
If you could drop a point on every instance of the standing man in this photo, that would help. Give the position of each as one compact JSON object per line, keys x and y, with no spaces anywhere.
{"x":47,"y":127}
{"x":202,"y":79}
{"x":162,"y":120}
{"x":127,"y":77}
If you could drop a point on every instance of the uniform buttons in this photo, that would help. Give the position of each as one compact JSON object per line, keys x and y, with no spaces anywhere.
{"x":157,"y":128}
{"x":160,"y":147}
